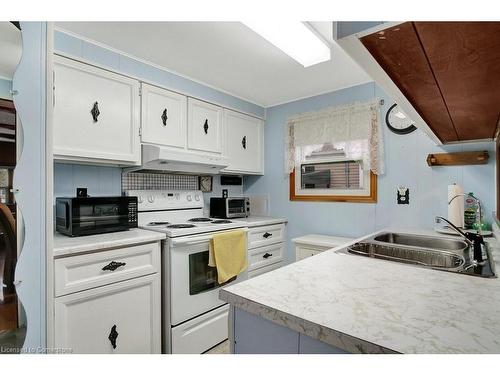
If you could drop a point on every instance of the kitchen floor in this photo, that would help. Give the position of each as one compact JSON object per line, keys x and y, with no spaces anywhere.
{"x":222,"y":348}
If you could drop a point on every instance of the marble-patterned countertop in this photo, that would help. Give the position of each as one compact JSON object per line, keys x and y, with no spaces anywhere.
{"x":64,"y":245}
{"x":367,"y":305}
{"x":258,"y":221}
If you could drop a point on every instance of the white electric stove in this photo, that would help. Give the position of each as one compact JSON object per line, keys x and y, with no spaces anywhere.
{"x":194,"y":319}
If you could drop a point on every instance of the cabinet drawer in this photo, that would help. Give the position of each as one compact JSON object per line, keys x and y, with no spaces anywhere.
{"x":305,"y":252}
{"x":262,"y":236}
{"x":263,"y":256}
{"x":199,"y":334}
{"x":86,"y":321}
{"x":265,"y":269}
{"x":80,"y":272}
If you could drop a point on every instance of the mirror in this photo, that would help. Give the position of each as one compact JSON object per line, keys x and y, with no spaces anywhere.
{"x":12,"y":316}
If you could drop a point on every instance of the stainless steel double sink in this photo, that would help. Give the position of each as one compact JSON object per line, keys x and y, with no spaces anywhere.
{"x":446,"y":254}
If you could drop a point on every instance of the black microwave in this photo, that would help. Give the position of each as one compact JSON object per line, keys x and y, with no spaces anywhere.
{"x":81,"y":216}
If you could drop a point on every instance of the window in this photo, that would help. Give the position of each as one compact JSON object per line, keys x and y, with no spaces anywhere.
{"x":333,"y":155}
{"x":325,"y":173}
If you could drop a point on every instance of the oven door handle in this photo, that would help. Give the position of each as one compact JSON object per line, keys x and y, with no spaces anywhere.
{"x":186,"y":241}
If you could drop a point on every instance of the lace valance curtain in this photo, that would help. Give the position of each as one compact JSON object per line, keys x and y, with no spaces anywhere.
{"x":354,"y":127}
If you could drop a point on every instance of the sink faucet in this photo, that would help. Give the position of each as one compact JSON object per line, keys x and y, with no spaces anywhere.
{"x":474,"y":240}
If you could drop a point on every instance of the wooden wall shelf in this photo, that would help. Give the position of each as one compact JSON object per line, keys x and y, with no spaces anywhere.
{"x":458,"y":158}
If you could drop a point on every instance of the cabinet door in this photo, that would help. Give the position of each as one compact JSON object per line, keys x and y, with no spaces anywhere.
{"x":244,"y":143}
{"x":86,"y":321}
{"x":163,"y":117}
{"x":96,"y":114}
{"x":204,"y":126}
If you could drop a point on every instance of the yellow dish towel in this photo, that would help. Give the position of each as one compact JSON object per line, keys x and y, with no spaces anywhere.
{"x":228,"y":252}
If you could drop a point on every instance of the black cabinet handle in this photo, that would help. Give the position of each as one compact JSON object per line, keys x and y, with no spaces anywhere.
{"x":205,"y":126}
{"x":95,"y":111}
{"x":113,"y":335}
{"x":244,"y":142}
{"x":164,"y":117}
{"x":267,"y":234}
{"x":267,"y":255}
{"x":113,"y":266}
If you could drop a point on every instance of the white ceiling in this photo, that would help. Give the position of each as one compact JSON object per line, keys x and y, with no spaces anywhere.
{"x":10,"y":49}
{"x":228,"y":56}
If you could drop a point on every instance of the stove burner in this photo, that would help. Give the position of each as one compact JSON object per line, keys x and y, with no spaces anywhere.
{"x":221,"y":221}
{"x":157,"y":223}
{"x":199,"y":219}
{"x":180,"y":226}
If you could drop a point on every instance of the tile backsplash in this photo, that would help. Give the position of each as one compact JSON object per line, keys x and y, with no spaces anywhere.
{"x":156,"y":180}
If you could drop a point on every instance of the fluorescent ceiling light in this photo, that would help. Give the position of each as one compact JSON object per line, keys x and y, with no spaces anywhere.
{"x":294,"y":38}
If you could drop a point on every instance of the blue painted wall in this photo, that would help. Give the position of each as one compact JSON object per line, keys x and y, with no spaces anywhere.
{"x":77,"y":48}
{"x":5,"y":87}
{"x":100,"y":181}
{"x":405,"y":158}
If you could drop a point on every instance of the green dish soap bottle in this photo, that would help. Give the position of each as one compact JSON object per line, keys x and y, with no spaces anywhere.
{"x":470,"y":211}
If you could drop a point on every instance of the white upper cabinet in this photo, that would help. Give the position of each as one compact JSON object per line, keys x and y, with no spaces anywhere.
{"x":96,"y":115}
{"x":244,"y":143}
{"x":204,"y":127}
{"x":163,"y":117}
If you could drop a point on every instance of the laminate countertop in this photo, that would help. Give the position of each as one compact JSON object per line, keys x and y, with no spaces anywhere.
{"x":366,"y":305}
{"x":258,"y":221}
{"x":64,"y":245}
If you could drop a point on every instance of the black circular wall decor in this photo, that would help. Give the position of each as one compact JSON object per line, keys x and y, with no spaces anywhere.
{"x":398,"y":122}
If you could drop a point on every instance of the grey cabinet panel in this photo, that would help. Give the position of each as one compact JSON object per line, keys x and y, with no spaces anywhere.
{"x":255,"y":335}
{"x":308,"y":345}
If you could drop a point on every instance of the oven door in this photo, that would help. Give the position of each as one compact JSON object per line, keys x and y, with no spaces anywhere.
{"x":193,"y":284}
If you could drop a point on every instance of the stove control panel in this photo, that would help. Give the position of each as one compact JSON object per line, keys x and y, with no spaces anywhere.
{"x":167,"y":199}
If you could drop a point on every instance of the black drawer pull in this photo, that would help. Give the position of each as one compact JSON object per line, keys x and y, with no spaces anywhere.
{"x":244,"y":142}
{"x":113,"y":335}
{"x":164,"y":117}
{"x":205,"y":126}
{"x":113,"y":266}
{"x":267,"y":234}
{"x":95,"y":111}
{"x":267,"y":255}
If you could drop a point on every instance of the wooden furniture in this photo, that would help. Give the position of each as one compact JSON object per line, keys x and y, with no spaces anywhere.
{"x":313,"y":244}
{"x":458,"y":158}
{"x":109,"y":301}
{"x":448,"y":71}
{"x":266,"y":248}
{"x":96,"y":115}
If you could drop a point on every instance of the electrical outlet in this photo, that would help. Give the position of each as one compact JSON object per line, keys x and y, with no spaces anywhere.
{"x":403,"y":196}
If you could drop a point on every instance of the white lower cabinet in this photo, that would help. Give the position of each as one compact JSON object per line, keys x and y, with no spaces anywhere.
{"x":96,"y":115}
{"x":266,"y":249}
{"x":244,"y":143}
{"x":109,"y":301}
{"x":314,"y":244}
{"x":119,"y":318}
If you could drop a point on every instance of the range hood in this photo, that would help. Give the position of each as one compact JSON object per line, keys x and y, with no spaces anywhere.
{"x":164,"y":159}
